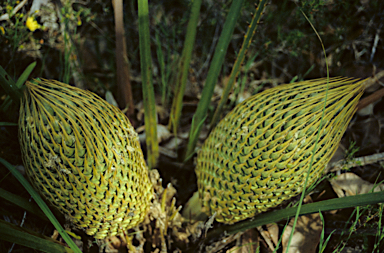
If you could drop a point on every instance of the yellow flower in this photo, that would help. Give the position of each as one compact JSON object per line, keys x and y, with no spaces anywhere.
{"x":2,"y":30}
{"x":32,"y":24}
{"x":79,"y":21}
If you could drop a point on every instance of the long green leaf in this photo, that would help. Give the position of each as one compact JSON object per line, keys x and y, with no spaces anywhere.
{"x":321,"y":206}
{"x":6,"y":104}
{"x":147,"y":85}
{"x":8,"y":124}
{"x":240,"y":58}
{"x":12,"y":233}
{"x":25,"y":75}
{"x":23,"y":203}
{"x":184,"y":64}
{"x":14,"y":90}
{"x":9,"y":85}
{"x":316,"y":142}
{"x":42,"y":205}
{"x":213,"y":74}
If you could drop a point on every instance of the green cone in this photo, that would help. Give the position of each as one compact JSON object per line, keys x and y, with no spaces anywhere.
{"x":84,"y":157}
{"x":258,"y":156}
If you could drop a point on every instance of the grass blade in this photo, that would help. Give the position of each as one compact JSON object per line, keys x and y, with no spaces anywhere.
{"x":213,"y":74}
{"x":184,"y":63}
{"x":42,"y":205}
{"x":8,"y":124}
{"x":317,"y":138}
{"x":23,"y":203}
{"x":14,"y":90}
{"x":147,"y":85}
{"x":321,"y":206}
{"x":323,"y":243}
{"x":240,"y":58}
{"x":25,"y":75}
{"x":162,"y":65}
{"x":12,"y":233}
{"x":9,"y":86}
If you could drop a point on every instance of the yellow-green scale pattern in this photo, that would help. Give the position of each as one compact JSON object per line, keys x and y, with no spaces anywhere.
{"x":83,"y":155}
{"x":259,"y":154}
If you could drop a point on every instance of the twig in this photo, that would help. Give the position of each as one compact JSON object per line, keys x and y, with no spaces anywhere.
{"x":375,"y":42}
{"x":375,"y":78}
{"x":376,"y":95}
{"x":360,"y":161}
{"x":370,"y":99}
{"x":15,"y":10}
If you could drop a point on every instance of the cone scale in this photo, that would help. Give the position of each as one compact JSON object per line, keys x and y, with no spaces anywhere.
{"x":259,"y":155}
{"x":83,"y":155}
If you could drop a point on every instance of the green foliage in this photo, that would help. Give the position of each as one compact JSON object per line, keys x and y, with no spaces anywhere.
{"x":239,"y":61}
{"x":321,"y":206}
{"x":147,"y":86}
{"x":351,"y":151}
{"x":13,"y":30}
{"x":13,"y":89}
{"x":15,"y":234}
{"x":212,"y":76}
{"x":184,"y":65}
{"x":41,"y":204}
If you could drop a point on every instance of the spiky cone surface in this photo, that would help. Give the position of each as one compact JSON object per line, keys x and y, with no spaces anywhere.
{"x":259,"y":155}
{"x":83,"y":155}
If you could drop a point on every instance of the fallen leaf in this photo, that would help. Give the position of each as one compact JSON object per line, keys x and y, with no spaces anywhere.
{"x":173,"y":144}
{"x":349,"y":184}
{"x":270,"y":235}
{"x":306,"y":236}
{"x":248,"y":242}
{"x":162,"y":133}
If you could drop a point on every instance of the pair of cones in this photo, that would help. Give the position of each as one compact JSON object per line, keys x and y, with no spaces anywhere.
{"x":84,"y":157}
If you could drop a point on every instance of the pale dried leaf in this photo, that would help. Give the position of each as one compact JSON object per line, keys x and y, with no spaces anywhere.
{"x":173,"y":144}
{"x":219,"y":245}
{"x":161,"y":112}
{"x":271,"y":235}
{"x":162,"y":133}
{"x":349,"y":184}
{"x":162,"y":222}
{"x":110,"y":98}
{"x":306,"y":236}
{"x":248,"y":242}
{"x":166,"y":152}
{"x":366,"y":111}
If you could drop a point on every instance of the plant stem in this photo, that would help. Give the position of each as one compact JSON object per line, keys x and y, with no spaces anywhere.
{"x":184,"y":63}
{"x":240,"y":58}
{"x":147,"y":85}
{"x":321,"y":206}
{"x":212,"y":77}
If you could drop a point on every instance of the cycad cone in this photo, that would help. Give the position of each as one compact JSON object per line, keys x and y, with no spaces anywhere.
{"x":84,"y":157}
{"x":259,"y":154}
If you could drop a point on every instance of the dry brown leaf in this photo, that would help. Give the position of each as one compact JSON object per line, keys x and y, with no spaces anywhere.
{"x":271,"y":235}
{"x":349,"y":184}
{"x":219,"y":245}
{"x":163,"y":224}
{"x":173,"y":144}
{"x":306,"y":236}
{"x":248,"y":242}
{"x":161,"y":112}
{"x":162,"y":133}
